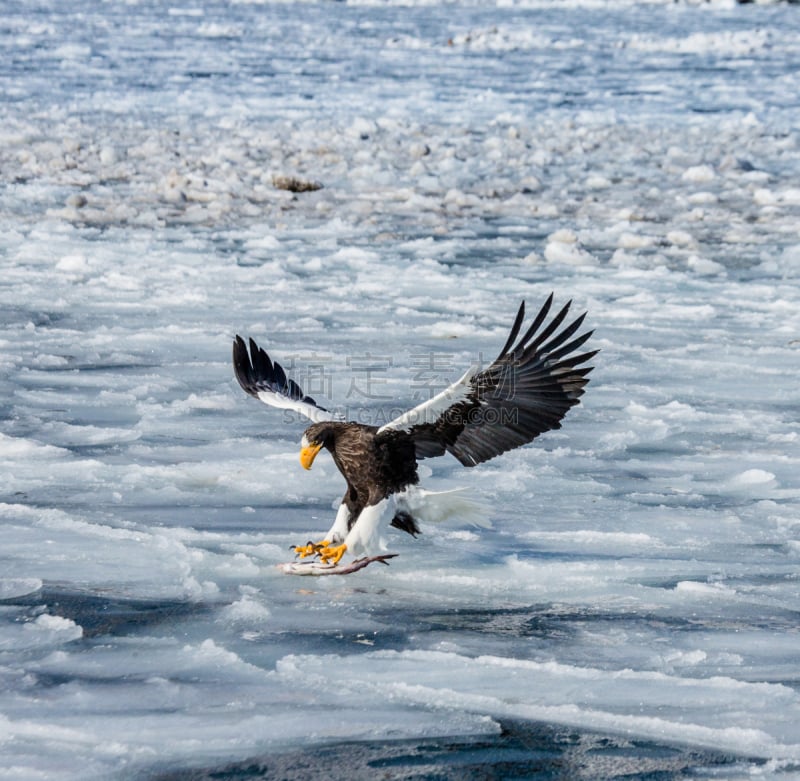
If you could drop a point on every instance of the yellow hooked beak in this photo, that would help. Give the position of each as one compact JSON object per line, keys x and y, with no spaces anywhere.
{"x":308,"y":453}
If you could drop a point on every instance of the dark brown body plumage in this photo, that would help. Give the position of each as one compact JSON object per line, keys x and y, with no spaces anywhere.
{"x":374,"y":465}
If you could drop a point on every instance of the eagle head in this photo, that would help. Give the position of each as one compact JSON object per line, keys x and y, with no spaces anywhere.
{"x":314,"y":439}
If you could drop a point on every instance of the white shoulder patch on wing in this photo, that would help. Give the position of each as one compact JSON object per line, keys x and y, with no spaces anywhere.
{"x":280,"y":401}
{"x":430,"y":411}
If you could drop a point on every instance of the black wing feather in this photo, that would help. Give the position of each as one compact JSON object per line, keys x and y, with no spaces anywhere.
{"x":527,"y":390}
{"x":256,"y":372}
{"x":514,"y":329}
{"x":536,"y":324}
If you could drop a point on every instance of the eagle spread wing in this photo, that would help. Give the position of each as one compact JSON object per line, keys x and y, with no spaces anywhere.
{"x":267,"y":381}
{"x":526,"y":390}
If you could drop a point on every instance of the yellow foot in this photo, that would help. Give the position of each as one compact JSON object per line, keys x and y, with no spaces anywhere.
{"x":310,"y":548}
{"x":332,"y":553}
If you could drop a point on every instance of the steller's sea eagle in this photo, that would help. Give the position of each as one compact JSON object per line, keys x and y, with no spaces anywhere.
{"x":525,"y":391}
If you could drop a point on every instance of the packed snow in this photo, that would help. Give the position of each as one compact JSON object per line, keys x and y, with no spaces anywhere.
{"x":369,"y":190}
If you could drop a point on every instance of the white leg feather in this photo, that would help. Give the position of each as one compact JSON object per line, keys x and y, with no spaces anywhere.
{"x":364,"y":539}
{"x":338,"y":531}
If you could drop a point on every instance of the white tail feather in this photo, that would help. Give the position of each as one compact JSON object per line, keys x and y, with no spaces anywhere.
{"x":438,"y":506}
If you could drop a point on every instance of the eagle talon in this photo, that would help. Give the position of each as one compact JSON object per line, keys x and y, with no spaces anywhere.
{"x":332,"y":554}
{"x":310,"y":549}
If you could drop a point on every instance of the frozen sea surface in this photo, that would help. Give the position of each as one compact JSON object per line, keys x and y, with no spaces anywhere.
{"x":635,"y":608}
